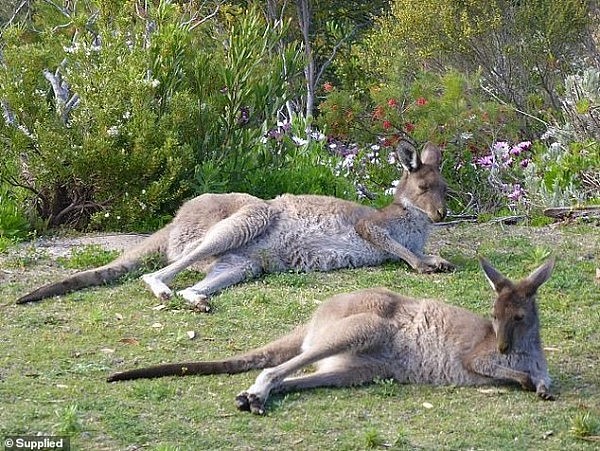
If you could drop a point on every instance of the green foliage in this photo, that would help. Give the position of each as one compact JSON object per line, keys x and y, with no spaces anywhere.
{"x":150,"y":110}
{"x":69,"y":422}
{"x":519,"y":47}
{"x":447,"y":110}
{"x":564,"y":175}
{"x":372,"y":438}
{"x":13,"y":223}
{"x":585,"y":425}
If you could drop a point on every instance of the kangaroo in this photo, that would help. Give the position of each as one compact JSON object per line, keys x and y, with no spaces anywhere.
{"x":235,"y":237}
{"x":357,"y":337}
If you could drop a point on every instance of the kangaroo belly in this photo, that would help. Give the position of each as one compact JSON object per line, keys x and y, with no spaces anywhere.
{"x":314,"y":244}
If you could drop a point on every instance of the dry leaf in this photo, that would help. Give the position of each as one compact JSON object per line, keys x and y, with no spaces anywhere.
{"x":597,"y":275}
{"x":107,"y":350}
{"x":493,"y":390}
{"x":428,"y":405}
{"x":159,"y":307}
{"x":118,"y":317}
{"x":130,"y":341}
{"x":61,"y":386}
{"x":191,"y":334}
{"x":551,"y":349}
{"x":157,"y":325}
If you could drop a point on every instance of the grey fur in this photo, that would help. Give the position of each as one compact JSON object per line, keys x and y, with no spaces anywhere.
{"x":375,"y":333}
{"x":235,"y":237}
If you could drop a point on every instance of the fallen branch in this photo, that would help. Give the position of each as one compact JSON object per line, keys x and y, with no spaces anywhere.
{"x":572,"y":212}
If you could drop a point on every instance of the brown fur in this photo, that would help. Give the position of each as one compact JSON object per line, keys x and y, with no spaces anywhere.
{"x":372,"y":334}
{"x":235,"y":237}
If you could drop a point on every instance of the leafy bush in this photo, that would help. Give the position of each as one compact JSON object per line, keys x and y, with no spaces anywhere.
{"x":520,"y":48}
{"x":137,"y":113}
{"x":13,"y":224}
{"x":446,"y":110}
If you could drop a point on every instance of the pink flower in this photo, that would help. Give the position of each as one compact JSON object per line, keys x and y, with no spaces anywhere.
{"x":392,"y":103}
{"x":386,"y":124}
{"x":421,"y":101}
{"x":409,"y":127}
{"x":486,"y":162}
{"x":517,"y":192}
{"x":525,"y":162}
{"x":327,"y":87}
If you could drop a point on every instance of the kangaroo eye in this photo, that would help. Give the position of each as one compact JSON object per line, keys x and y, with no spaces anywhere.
{"x":518,"y":317}
{"x":423,"y":187}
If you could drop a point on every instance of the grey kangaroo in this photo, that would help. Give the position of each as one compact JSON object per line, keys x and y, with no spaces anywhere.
{"x":235,"y":237}
{"x":357,"y":337}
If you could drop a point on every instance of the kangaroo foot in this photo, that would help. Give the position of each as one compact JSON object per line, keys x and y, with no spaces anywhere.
{"x":544,"y":393}
{"x":160,"y":289}
{"x":198,"y":300}
{"x":249,"y":402}
{"x":432,"y":263}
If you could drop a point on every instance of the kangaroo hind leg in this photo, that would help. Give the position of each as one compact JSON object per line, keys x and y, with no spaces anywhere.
{"x":228,"y":270}
{"x":347,"y":344}
{"x":230,"y":233}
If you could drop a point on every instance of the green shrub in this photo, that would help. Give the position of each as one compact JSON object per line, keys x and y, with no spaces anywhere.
{"x":13,"y":222}
{"x":447,"y":110}
{"x":114,"y":119}
{"x":520,"y":48}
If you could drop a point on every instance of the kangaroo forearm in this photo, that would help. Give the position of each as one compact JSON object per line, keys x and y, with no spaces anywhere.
{"x":379,"y":237}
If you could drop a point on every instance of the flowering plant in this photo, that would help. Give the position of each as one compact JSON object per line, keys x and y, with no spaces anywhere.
{"x":504,"y":165}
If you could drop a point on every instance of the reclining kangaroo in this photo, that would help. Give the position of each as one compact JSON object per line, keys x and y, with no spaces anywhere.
{"x":357,"y":337}
{"x":235,"y":237}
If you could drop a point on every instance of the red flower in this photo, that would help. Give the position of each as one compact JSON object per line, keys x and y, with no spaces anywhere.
{"x":421,"y":101}
{"x":409,"y":127}
{"x":327,"y":87}
{"x":387,"y":124}
{"x":392,"y":103}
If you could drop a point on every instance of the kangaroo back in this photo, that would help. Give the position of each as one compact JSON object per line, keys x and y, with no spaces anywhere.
{"x":270,"y":355}
{"x":127,"y":262}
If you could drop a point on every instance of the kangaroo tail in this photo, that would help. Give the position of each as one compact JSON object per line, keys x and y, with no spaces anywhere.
{"x":130,"y":260}
{"x":272,"y":354}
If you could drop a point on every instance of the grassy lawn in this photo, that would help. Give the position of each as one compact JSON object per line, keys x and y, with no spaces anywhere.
{"x":55,"y":355}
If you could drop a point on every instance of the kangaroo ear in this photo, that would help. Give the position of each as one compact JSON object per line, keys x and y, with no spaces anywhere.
{"x":408,"y":155}
{"x":431,"y":154}
{"x":539,"y":276}
{"x":493,"y":276}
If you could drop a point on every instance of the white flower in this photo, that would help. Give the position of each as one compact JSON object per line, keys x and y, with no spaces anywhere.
{"x":465,"y":136}
{"x":299,"y":141}
{"x":113,"y":131}
{"x":126,"y":115}
{"x":318,"y":136}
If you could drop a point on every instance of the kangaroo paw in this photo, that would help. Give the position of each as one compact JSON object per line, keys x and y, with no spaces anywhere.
{"x":249,"y":402}
{"x":160,"y":290}
{"x":432,"y":263}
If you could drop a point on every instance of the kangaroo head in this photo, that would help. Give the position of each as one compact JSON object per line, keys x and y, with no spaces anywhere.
{"x":422,"y":185}
{"x":514,"y":314}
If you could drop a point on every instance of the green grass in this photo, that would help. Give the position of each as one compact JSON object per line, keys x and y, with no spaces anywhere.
{"x":55,"y":355}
